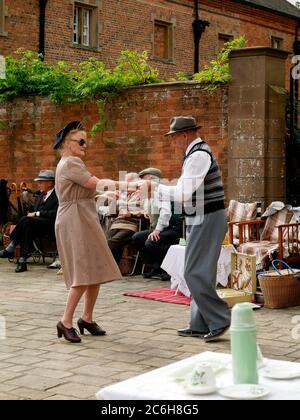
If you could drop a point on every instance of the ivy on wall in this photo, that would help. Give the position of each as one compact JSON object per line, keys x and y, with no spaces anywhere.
{"x":216,"y":73}
{"x":27,"y":74}
{"x":63,"y":83}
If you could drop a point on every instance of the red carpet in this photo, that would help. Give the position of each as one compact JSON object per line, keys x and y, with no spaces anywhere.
{"x":163,"y":295}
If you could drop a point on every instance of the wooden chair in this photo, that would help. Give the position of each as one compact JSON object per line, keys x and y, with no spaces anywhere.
{"x":238,"y":212}
{"x":278,"y":235}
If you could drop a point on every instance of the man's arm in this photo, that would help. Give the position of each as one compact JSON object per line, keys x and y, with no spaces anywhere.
{"x":165,"y":214}
{"x":194,"y":172}
{"x":50,"y":209}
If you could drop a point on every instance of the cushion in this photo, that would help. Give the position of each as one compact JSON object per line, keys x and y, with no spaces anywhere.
{"x":238,"y":212}
{"x":281,"y":217}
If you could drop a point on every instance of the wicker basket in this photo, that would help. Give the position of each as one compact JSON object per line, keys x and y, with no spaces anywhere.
{"x":280,"y":289}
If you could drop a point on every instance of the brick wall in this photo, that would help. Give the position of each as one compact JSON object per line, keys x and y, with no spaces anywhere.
{"x":21,"y":26}
{"x":138,"y":118}
{"x":129,"y":24}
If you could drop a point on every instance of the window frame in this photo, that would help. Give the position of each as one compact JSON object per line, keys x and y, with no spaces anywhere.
{"x":224,"y":37}
{"x":170,"y":24}
{"x":85,"y":34}
{"x":275,"y":38}
{"x":2,"y":18}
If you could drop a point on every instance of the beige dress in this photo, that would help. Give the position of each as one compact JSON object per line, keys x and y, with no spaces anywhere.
{"x":83,"y":251}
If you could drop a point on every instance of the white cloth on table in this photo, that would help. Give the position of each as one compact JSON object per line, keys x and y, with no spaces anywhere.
{"x":173,"y":264}
{"x":162,"y":383}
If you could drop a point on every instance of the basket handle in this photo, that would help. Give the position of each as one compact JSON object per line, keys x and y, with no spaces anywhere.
{"x":282,"y":262}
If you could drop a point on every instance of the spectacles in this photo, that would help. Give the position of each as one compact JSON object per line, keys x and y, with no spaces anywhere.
{"x":81,"y":142}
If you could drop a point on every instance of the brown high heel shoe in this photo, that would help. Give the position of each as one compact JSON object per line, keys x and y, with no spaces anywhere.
{"x":70,"y":334}
{"x":91,"y":327}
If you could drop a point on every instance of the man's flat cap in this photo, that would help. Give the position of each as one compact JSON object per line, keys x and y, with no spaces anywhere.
{"x":150,"y":171}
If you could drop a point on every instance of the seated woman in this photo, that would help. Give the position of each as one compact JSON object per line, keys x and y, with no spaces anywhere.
{"x":130,"y":211}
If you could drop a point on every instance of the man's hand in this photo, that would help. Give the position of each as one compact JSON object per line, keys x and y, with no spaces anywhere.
{"x":155,"y":235}
{"x":31,"y":214}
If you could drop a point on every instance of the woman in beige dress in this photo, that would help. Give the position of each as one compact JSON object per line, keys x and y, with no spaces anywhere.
{"x":85,"y":257}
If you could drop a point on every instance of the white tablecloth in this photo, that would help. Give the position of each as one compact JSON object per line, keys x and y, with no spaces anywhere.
{"x":161,"y":384}
{"x":173,"y":264}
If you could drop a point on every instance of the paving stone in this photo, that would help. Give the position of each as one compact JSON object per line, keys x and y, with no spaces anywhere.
{"x":142,"y":335}
{"x":30,"y":394}
{"x":78,"y":390}
{"x":50,"y":373}
{"x":62,"y":397}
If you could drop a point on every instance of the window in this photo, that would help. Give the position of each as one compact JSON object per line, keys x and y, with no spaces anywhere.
{"x":276,"y":42}
{"x":163,"y":40}
{"x":85,"y":26}
{"x":2,"y":16}
{"x":223,"y":38}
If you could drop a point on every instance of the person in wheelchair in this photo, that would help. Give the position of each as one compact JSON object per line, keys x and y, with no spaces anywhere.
{"x":38,"y":223}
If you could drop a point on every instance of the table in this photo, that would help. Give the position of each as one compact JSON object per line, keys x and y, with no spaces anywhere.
{"x":160,"y":384}
{"x":173,"y":264}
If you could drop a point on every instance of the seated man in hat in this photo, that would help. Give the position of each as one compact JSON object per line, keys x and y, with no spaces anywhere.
{"x":38,"y":223}
{"x":165,"y":229}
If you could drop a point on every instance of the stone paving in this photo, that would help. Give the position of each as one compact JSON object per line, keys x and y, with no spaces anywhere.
{"x":35,"y":364}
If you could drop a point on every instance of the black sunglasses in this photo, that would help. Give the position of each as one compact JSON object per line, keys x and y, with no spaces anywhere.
{"x":81,"y":142}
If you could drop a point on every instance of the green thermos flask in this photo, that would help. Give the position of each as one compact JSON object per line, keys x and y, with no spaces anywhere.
{"x":243,"y":344}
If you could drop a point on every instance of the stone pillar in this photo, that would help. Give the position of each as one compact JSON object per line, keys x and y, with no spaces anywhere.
{"x":256,"y":126}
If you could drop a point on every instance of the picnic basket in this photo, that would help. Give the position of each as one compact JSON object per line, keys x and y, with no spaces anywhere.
{"x":280,"y":288}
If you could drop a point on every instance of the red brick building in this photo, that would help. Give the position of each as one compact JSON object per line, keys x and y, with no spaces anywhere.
{"x":75,"y":30}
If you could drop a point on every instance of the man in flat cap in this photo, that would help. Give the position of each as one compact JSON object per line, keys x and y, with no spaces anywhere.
{"x":38,"y":223}
{"x":201,"y":192}
{"x":165,"y":230}
{"x":150,"y":173}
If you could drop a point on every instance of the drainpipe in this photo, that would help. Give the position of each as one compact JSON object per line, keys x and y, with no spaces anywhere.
{"x":43,"y":4}
{"x":296,"y":50}
{"x":198,"y":27}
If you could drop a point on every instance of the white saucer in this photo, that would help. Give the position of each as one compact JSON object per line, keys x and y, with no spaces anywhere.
{"x":244,"y":391}
{"x":200,"y":390}
{"x":283,"y":372}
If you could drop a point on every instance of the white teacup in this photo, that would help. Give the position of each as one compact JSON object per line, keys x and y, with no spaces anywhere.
{"x":202,"y":379}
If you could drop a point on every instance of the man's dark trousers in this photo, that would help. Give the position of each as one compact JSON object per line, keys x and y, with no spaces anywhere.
{"x":153,"y":252}
{"x":29,"y":228}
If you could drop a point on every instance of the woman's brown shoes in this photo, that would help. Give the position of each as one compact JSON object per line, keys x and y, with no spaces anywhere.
{"x":91,"y":327}
{"x":70,"y":334}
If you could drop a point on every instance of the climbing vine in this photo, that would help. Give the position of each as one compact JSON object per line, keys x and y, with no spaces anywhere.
{"x":216,"y":73}
{"x":63,"y":83}
{"x":27,"y":74}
